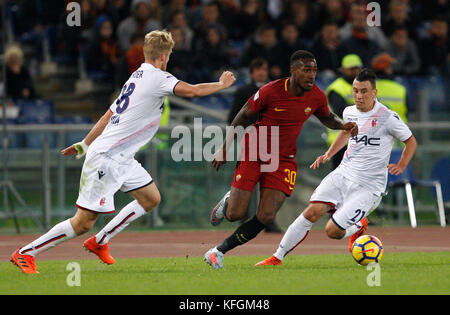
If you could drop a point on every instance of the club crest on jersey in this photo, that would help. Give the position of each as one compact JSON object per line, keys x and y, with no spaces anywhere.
{"x":374,"y":123}
{"x":307,"y":110}
{"x":102,"y":202}
{"x":238,"y":177}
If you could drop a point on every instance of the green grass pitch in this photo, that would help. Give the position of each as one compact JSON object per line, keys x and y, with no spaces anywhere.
{"x":400,"y":273}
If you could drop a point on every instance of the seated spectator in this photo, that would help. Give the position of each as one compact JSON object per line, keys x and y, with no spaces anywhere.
{"x":102,"y":51}
{"x":398,"y":16}
{"x":304,"y":15}
{"x":357,"y":28}
{"x":404,"y":51}
{"x":103,"y":7}
{"x":138,"y":22}
{"x":289,"y":43}
{"x":434,"y":48}
{"x":250,"y":15}
{"x":358,"y":38}
{"x":180,"y":64}
{"x":327,"y":48}
{"x":19,"y":84}
{"x":207,"y":14}
{"x":212,"y":53}
{"x":131,"y":60}
{"x":264,"y":45}
{"x":178,"y":21}
{"x":332,"y":10}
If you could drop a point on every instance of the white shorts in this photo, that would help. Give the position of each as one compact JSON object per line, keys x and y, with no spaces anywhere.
{"x":102,"y":177}
{"x":351,"y":201}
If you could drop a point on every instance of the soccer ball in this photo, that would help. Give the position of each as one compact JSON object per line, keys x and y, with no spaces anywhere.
{"x":367,"y":249}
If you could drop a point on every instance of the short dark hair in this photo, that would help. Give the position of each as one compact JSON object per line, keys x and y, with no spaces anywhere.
{"x":301,"y":54}
{"x":367,"y":75}
{"x":257,"y":63}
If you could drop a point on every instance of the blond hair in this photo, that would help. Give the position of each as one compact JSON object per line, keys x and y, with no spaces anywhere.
{"x":157,"y":43}
{"x":13,"y":53}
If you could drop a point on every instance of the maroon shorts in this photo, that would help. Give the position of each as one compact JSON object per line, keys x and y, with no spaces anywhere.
{"x":248,"y":173}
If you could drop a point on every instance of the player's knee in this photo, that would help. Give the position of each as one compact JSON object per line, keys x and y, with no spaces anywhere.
{"x":312,"y":213}
{"x":334,"y":232}
{"x":81,"y":226}
{"x":266,"y":218}
{"x":232,"y":214}
{"x":151,"y":202}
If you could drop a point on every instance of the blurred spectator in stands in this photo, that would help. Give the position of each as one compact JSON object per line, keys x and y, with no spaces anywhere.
{"x":180,"y":64}
{"x":35,"y":15}
{"x":332,"y":10}
{"x":398,"y":16}
{"x":211,"y":55}
{"x":434,"y":48}
{"x":102,"y":51}
{"x":19,"y":84}
{"x":138,"y":22}
{"x":304,"y":16}
{"x":290,"y":42}
{"x":250,"y":15}
{"x":131,"y":60}
{"x":178,"y":21}
{"x":122,"y":7}
{"x":359,"y":38}
{"x":169,"y":10}
{"x":430,"y":8}
{"x":209,"y":15}
{"x":104,"y":7}
{"x":264,"y":45}
{"x":259,"y":74}
{"x":71,"y":38}
{"x":390,"y":93}
{"x":404,"y":51}
{"x":327,"y":48}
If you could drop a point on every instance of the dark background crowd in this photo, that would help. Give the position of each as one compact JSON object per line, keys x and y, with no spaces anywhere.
{"x":211,"y":36}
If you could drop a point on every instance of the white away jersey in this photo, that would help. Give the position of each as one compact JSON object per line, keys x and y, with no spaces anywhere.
{"x":367,"y":156}
{"x":136,"y":113}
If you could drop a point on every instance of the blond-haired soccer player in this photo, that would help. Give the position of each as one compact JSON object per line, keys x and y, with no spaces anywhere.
{"x":355,"y":187}
{"x":130,"y":122}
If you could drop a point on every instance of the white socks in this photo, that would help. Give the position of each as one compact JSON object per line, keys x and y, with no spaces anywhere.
{"x":298,"y":231}
{"x":61,"y":232}
{"x":294,"y":235}
{"x":131,"y":212}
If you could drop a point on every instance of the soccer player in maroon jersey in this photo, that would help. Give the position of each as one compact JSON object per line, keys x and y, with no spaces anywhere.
{"x":286,"y":103}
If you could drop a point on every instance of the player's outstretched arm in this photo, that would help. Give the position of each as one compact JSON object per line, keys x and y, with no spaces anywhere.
{"x":332,"y":121}
{"x":226,"y":80}
{"x":407,"y":154}
{"x":340,"y":141}
{"x":80,"y":148}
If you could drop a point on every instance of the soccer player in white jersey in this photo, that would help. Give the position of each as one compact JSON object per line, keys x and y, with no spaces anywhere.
{"x":355,"y":188}
{"x":110,"y":146}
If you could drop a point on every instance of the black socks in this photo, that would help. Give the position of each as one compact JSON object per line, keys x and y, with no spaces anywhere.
{"x":244,"y":233}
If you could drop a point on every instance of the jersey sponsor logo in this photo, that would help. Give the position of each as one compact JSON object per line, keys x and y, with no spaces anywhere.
{"x":114,"y":119}
{"x":280,"y":109}
{"x":366,"y":140}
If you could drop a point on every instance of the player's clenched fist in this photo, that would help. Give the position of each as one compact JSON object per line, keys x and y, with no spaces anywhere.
{"x":352,"y":127}
{"x":227,"y":78}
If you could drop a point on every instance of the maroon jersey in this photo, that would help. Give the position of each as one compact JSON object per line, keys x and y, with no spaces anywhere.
{"x":276,"y":106}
